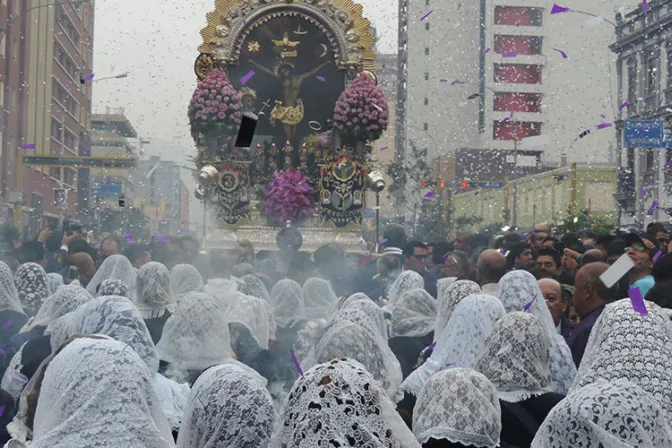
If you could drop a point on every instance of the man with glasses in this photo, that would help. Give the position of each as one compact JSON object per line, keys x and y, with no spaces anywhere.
{"x":415,"y":254}
{"x":557,"y":304}
{"x":641,"y":252}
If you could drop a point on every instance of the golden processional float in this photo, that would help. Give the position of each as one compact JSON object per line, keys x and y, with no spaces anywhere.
{"x":304,"y":71}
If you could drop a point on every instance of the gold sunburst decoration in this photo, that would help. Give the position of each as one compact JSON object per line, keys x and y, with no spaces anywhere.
{"x":253,"y":46}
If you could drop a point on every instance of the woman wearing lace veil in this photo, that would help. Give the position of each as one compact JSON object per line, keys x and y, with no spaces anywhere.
{"x":458,"y":408}
{"x":117,"y":267}
{"x":339,"y":403}
{"x":517,"y":289}
{"x":251,"y":326}
{"x":154,"y":298}
{"x":515,"y":359}
{"x":448,"y":300}
{"x":606,"y":414}
{"x":375,"y":313}
{"x":185,"y":279}
{"x":31,"y":285}
{"x":12,"y":317}
{"x":252,"y":285}
{"x":407,"y":281}
{"x":289,"y":310}
{"x":228,"y":407}
{"x":319,"y":298}
{"x":113,"y":287}
{"x":54,"y":281}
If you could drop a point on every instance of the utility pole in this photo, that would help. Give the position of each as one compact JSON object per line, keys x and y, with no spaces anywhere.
{"x":514,"y":214}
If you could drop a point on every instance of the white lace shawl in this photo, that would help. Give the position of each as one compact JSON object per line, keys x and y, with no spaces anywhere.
{"x":342,"y":302}
{"x":460,"y":406}
{"x":442,"y":284}
{"x":221,"y":288}
{"x":319,"y":298}
{"x":185,"y":279}
{"x":614,"y":414}
{"x":113,"y":287}
{"x":515,"y":357}
{"x":228,"y":407}
{"x":407,"y":281}
{"x":155,"y":295}
{"x":517,"y":289}
{"x":413,"y":314}
{"x":352,"y":334}
{"x":117,"y":267}
{"x":173,"y":398}
{"x":255,"y":314}
{"x":13,"y":381}
{"x":625,"y":345}
{"x":98,"y":394}
{"x":461,"y":342}
{"x":448,"y":300}
{"x":195,"y":337}
{"x":66,"y":300}
{"x":9,"y":297}
{"x":54,"y":281}
{"x":31,"y":285}
{"x":287,"y":302}
{"x":375,"y":313}
{"x":251,"y":285}
{"x":339,"y":403}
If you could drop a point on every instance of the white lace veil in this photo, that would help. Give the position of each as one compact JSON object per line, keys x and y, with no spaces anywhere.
{"x":442,"y":284}
{"x":460,"y":406}
{"x":413,"y":314}
{"x":319,"y":298}
{"x":342,"y":302}
{"x":339,"y":403}
{"x":9,"y":297}
{"x":375,"y":313}
{"x":448,"y":300}
{"x":113,"y":287}
{"x":98,"y":393}
{"x":154,"y":295}
{"x":287,"y":302}
{"x":31,"y":285}
{"x":614,"y":414}
{"x":515,"y":357}
{"x":625,"y":345}
{"x":228,"y":407}
{"x":407,"y":281}
{"x":517,"y":289}
{"x":195,"y":337}
{"x":185,"y":279}
{"x":461,"y":342}
{"x":54,"y":281}
{"x":66,"y":300}
{"x":251,"y":285}
{"x":255,"y":314}
{"x":117,"y":267}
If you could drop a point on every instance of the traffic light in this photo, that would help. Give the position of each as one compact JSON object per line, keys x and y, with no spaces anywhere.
{"x":423,"y":184}
{"x":442,"y":184}
{"x":465,"y":184}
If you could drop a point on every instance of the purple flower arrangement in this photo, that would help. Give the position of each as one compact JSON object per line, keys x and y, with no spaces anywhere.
{"x":215,"y":105}
{"x":361,"y":111}
{"x":289,"y":197}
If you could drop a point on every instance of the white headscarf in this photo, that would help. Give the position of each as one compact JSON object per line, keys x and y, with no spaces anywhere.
{"x":185,"y":279}
{"x":616,"y":414}
{"x":229,"y":407}
{"x":461,"y":342}
{"x":31,"y":285}
{"x":117,"y":267}
{"x":221,"y":288}
{"x":319,"y":298}
{"x":9,"y":297}
{"x":460,"y":406}
{"x":448,"y":300}
{"x":251,"y":285}
{"x":342,"y":302}
{"x":339,"y":403}
{"x":407,"y":281}
{"x":515,"y":357}
{"x":516,"y":290}
{"x":66,"y":300}
{"x":255,"y":314}
{"x":54,"y":281}
{"x":375,"y":313}
{"x":287,"y":302}
{"x":154,"y":295}
{"x":113,"y":287}
{"x":413,"y":314}
{"x":98,"y":393}
{"x":443,"y":283}
{"x":625,"y":345}
{"x":195,"y":337}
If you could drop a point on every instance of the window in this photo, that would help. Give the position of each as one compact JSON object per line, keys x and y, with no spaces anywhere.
{"x":427,"y":26}
{"x":65,"y":61}
{"x":518,"y":16}
{"x":426,"y":76}
{"x":67,"y":26}
{"x":426,"y":51}
{"x":632,"y":86}
{"x":517,"y":102}
{"x":518,"y":73}
{"x":426,"y":101}
{"x":65,"y":99}
{"x":510,"y":130}
{"x":3,"y":44}
{"x":69,"y":176}
{"x":518,"y":44}
{"x":651,"y":82}
{"x":55,"y":130}
{"x":425,"y":126}
{"x":55,"y":172}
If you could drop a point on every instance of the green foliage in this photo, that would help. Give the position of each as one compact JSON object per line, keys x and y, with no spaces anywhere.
{"x":580,"y":223}
{"x":413,"y":169}
{"x":432,"y":225}
{"x":464,"y":224}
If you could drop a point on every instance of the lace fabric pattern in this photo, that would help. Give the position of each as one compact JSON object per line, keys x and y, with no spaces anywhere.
{"x":251,"y":285}
{"x":185,"y":279}
{"x":113,"y":287}
{"x":461,"y":406}
{"x":615,"y":414}
{"x":413,"y":315}
{"x":288,"y":303}
{"x":9,"y":297}
{"x":319,"y":298}
{"x":54,"y":281}
{"x":115,"y":267}
{"x":31,"y":285}
{"x":228,"y":407}
{"x":448,"y":300}
{"x":339,"y":403}
{"x":407,"y":281}
{"x":253,"y":313}
{"x":375,"y":313}
{"x":66,"y":300}
{"x":155,"y":294}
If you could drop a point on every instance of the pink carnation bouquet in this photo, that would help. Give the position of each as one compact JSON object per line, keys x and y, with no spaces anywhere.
{"x":215,"y":105}
{"x":361,"y":112}
{"x":289,"y":197}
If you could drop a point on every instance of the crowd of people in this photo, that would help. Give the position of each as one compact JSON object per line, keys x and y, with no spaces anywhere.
{"x":511,"y":341}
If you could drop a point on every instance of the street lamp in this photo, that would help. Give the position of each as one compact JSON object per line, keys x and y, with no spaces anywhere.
{"x":8,"y":25}
{"x":375,"y":182}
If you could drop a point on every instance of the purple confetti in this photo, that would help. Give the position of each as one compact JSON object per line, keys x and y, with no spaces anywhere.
{"x":603,"y":116}
{"x":530,"y":303}
{"x":623,"y":106}
{"x":8,"y":324}
{"x":562,"y":53}
{"x":443,"y":80}
{"x":457,"y":81}
{"x":382,"y":241}
{"x":487,"y":50}
{"x":668,"y":164}
{"x":321,"y":78}
{"x":383,"y":148}
{"x":88,"y":77}
{"x":557,"y":9}
{"x":637,"y":301}
{"x":2,"y":410}
{"x":501,"y":251}
{"x":431,"y":346}
{"x":426,"y":15}
{"x":509,"y":117}
{"x":296,"y":362}
{"x":28,"y":146}
{"x":162,"y":239}
{"x":658,"y":255}
{"x":653,"y":207}
{"x":631,"y":187}
{"x":644,"y":192}
{"x":604,"y":125}
{"x":129,"y":238}
{"x":247,"y":77}
{"x":429,"y":194}
{"x":19,"y":379}
{"x":459,"y":5}
{"x":645,"y":6}
{"x":509,"y":54}
{"x":450,"y":364}
{"x":383,"y":65}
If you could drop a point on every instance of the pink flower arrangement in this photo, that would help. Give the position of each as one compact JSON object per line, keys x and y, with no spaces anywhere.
{"x":289,"y":197}
{"x":215,"y":104}
{"x":361,"y":112}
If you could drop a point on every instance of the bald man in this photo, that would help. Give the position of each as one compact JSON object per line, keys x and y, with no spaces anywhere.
{"x":590,"y":298}
{"x":593,"y":256}
{"x":557,"y":305}
{"x":491,"y":266}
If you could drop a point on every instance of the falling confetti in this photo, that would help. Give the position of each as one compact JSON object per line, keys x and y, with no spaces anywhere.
{"x":509,"y":54}
{"x":562,"y":53}
{"x":637,"y":301}
{"x":296,"y":362}
{"x":431,"y":346}
{"x":668,"y":164}
{"x":658,"y":255}
{"x":529,"y":304}
{"x":247,"y":77}
{"x":604,"y":125}
{"x":129,"y":238}
{"x":443,"y":80}
{"x":509,"y":117}
{"x":653,"y":208}
{"x":426,"y":15}
{"x":576,"y":219}
{"x":644,"y":192}
{"x":377,"y":107}
{"x":583,"y":134}
{"x":457,"y":81}
{"x":321,"y":78}
{"x":383,"y":148}
{"x":459,"y":5}
{"x":382,"y":241}
{"x":84,"y":79}
{"x":645,"y":5}
{"x":487,"y":50}
{"x":161,"y":239}
{"x":557,"y":9}
{"x":29,"y":146}
{"x":429,"y":194}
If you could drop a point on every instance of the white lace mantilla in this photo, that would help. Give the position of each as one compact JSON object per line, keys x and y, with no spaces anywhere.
{"x":413,"y":314}
{"x":448,"y":299}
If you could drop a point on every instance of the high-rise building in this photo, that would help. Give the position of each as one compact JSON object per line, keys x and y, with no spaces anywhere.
{"x":160,"y":194}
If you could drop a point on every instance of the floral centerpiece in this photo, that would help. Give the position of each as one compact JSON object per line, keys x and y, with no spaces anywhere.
{"x":215,"y":105}
{"x":289,"y":197}
{"x":361,"y":112}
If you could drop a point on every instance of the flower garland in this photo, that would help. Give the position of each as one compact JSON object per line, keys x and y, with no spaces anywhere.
{"x":289,"y":197}
{"x":361,"y":112}
{"x":215,"y":105}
